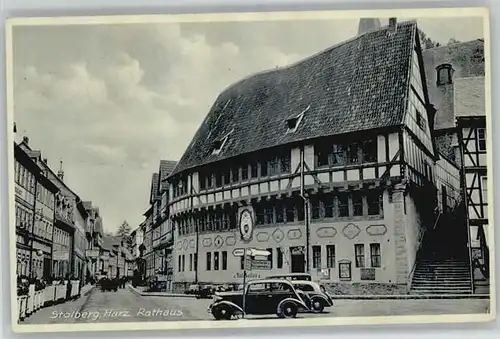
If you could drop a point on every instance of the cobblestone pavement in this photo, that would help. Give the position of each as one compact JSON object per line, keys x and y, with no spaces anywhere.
{"x":126,"y":306}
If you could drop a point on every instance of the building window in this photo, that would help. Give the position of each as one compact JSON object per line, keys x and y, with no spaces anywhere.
{"x":259,"y":214}
{"x":278,"y":207}
{"x":179,"y":263}
{"x":244,"y":172}
{"x":209,"y":261}
{"x":195,"y":261}
{"x":242,"y":262}
{"x":322,"y":154}
{"x":444,"y":74}
{"x":254,"y":170}
{"x":190,"y":261}
{"x":203,"y":181}
{"x":374,"y":200}
{"x":210,"y":181}
{"x":235,"y":174}
{"x":268,"y":214}
{"x":481,"y":139}
{"x":263,"y":168}
{"x":227,"y":177}
{"x":315,"y":209}
{"x":300,"y":211}
{"x":224,"y":260}
{"x":369,"y":150}
{"x":279,"y":258}
{"x":274,"y":166}
{"x":285,"y":163}
{"x":352,"y":153}
{"x":357,"y":204}
{"x":270,"y":256}
{"x":375,"y":255}
{"x":328,"y":205}
{"x":218,"y":180}
{"x":420,"y":119}
{"x":359,"y":252}
{"x":216,"y":261}
{"x":343,"y":203}
{"x":316,"y":256}
{"x":183,"y":263}
{"x":330,"y":256}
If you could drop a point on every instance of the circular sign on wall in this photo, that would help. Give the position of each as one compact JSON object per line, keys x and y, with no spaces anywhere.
{"x":246,"y":225}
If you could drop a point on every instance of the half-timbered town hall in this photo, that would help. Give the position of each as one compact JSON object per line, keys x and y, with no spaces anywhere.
{"x":334,"y":158}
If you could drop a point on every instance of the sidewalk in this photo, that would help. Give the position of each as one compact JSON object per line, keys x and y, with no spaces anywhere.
{"x":46,"y":315}
{"x":410,"y":296}
{"x":159,"y":294}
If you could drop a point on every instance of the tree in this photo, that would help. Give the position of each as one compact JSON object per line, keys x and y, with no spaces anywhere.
{"x":426,"y":42}
{"x":453,"y":41}
{"x":123,"y":232}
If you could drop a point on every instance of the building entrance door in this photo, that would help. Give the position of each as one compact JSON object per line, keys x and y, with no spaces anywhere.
{"x":297,"y":260}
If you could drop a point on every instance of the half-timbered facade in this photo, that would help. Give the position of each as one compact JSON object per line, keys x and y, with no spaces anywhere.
{"x":456,"y":82}
{"x":333,"y":157}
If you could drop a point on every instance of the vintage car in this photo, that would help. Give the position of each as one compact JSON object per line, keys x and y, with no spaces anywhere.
{"x":316,"y":292}
{"x":205,"y":292}
{"x":292,"y":276}
{"x":266,"y":296}
{"x":193,"y":289}
{"x":107,"y":284}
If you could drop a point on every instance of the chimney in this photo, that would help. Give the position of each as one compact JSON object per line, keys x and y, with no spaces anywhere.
{"x":393,"y":23}
{"x":26,"y":140}
{"x":60,"y":173}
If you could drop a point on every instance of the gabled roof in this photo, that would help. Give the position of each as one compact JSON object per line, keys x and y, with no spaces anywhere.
{"x":469,"y":99}
{"x":154,"y":187}
{"x":166,"y":167}
{"x":357,"y":85}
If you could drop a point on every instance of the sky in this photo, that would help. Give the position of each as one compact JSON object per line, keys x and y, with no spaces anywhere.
{"x":110,"y":101}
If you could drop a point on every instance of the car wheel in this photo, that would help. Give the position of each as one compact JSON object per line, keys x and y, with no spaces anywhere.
{"x":222,"y":312}
{"x":318,"y":305}
{"x":288,"y":310}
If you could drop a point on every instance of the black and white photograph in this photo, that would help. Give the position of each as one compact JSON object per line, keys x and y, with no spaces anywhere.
{"x":250,"y":170}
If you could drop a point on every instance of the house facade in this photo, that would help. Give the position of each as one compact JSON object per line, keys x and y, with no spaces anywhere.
{"x":329,"y":164}
{"x":456,"y":82}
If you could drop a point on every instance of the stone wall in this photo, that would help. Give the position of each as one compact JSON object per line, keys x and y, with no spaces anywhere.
{"x":365,"y":289}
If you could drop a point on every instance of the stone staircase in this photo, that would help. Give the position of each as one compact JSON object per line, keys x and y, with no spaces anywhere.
{"x":443,"y":265}
{"x":441,"y":276}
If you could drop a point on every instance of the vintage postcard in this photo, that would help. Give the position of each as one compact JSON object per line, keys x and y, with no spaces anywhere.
{"x":250,"y":169}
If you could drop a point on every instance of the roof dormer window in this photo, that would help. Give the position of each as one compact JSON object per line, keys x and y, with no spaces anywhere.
{"x":444,"y":74}
{"x":293,"y":122}
{"x":218,"y":144}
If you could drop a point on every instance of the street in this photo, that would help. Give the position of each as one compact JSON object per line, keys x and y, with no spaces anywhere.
{"x":126,"y":306}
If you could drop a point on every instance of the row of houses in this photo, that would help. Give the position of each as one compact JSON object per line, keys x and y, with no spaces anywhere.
{"x":58,"y":234}
{"x":364,"y":163}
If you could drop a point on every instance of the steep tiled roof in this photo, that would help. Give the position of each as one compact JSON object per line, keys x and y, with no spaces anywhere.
{"x":166,"y":167}
{"x":469,"y":97}
{"x":154,"y":187}
{"x":357,"y":85}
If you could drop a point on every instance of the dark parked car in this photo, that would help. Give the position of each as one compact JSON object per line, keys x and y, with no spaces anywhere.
{"x":316,"y":292}
{"x":107,"y":284}
{"x":205,"y":292}
{"x":266,"y":296}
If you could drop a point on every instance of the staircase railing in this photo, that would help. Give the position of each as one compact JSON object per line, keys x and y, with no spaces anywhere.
{"x":420,"y":238}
